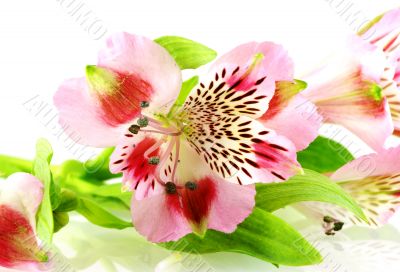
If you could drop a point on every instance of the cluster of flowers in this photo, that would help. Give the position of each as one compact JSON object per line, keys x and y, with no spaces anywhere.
{"x":192,"y":167}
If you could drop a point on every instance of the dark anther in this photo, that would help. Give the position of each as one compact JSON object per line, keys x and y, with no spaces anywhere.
{"x":170,"y":188}
{"x":329,"y":232}
{"x":144,"y":104}
{"x":332,"y":225}
{"x":191,"y":185}
{"x":143,"y":122}
{"x":328,"y":219}
{"x":154,"y":160}
{"x":134,"y":129}
{"x":338,"y":226}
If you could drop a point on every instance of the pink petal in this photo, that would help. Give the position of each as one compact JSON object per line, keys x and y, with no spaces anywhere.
{"x":385,"y":162}
{"x":20,"y":197}
{"x":275,"y":157}
{"x":118,"y":95}
{"x":346,"y":93}
{"x":374,"y":181}
{"x":392,"y":93}
{"x":81,"y":117}
{"x":275,"y":64}
{"x":13,"y":193}
{"x":156,"y":219}
{"x":129,"y":158}
{"x":296,"y":118}
{"x":372,"y":127}
{"x":197,"y":202}
{"x":252,"y":67}
{"x":211,"y":204}
{"x":18,"y":245}
{"x":384,"y":33}
{"x":242,"y":150}
{"x":219,"y":96}
{"x":140,"y":56}
{"x":232,"y":205}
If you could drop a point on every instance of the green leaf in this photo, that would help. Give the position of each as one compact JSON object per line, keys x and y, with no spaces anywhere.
{"x":261,"y":235}
{"x":98,"y":167}
{"x":41,"y":169}
{"x":95,"y":170}
{"x":68,"y":201}
{"x":109,"y":196}
{"x":324,"y":155}
{"x":187,"y":86}
{"x":10,"y":165}
{"x":99,"y":216}
{"x":310,"y":186}
{"x":187,"y":53}
{"x":61,"y":219}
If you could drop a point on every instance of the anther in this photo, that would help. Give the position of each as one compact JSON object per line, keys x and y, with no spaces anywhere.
{"x":143,"y":122}
{"x":191,"y":185}
{"x":170,"y":188}
{"x":134,"y":129}
{"x":144,"y":104}
{"x":154,"y":160}
{"x":338,"y":226}
{"x":328,"y":219}
{"x":332,"y":225}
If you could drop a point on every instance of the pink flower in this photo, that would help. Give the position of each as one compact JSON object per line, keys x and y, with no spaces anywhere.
{"x":20,"y":197}
{"x":384,"y":33}
{"x":373,"y":181}
{"x":190,"y":165}
{"x":348,"y":92}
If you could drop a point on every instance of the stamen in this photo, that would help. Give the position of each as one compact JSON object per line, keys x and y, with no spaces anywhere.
{"x":143,"y":122}
{"x":154,"y":147}
{"x":191,"y":185}
{"x":177,"y":148}
{"x":162,"y":162}
{"x":134,"y":129}
{"x":338,"y":226}
{"x":144,"y":104}
{"x":158,"y":125}
{"x":154,"y":160}
{"x":162,"y":132}
{"x":332,"y":225}
{"x":170,"y":188}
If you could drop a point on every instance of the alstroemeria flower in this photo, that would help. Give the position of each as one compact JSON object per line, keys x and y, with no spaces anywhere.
{"x":20,"y":197}
{"x":348,"y":91}
{"x":373,"y":181}
{"x":384,"y":33}
{"x":190,"y":166}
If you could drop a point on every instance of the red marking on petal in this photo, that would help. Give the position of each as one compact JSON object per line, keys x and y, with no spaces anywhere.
{"x":137,"y":164}
{"x":18,"y":243}
{"x":397,"y":76}
{"x":197,"y":203}
{"x":390,"y":43}
{"x":122,"y":104}
{"x":272,"y":157}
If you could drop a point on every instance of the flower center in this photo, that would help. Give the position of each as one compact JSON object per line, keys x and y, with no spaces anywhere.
{"x":170,"y":128}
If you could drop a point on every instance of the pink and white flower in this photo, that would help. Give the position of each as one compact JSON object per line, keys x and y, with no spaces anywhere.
{"x":191,"y":166}
{"x":384,"y":33}
{"x":374,"y":183}
{"x":20,"y":197}
{"x":348,"y":91}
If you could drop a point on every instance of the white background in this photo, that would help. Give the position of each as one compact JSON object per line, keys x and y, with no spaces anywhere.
{"x":41,"y":44}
